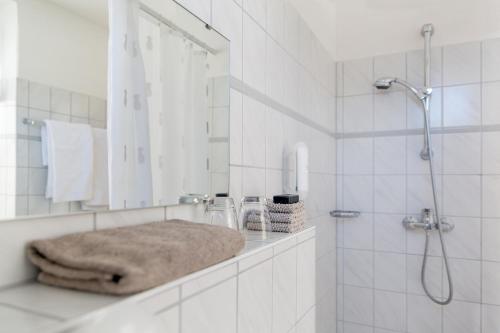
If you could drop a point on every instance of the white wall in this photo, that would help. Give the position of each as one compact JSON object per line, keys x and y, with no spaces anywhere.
{"x":8,"y":39}
{"x":61,"y":49}
{"x":368,"y":28}
{"x":320,"y":16}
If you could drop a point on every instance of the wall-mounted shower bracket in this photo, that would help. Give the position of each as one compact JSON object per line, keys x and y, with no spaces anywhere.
{"x":427,"y":222}
{"x":426,"y":152}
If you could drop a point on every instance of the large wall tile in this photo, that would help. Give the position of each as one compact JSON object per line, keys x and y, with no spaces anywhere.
{"x":254,"y":139}
{"x":465,"y":240}
{"x":462,"y":195}
{"x":390,"y":310}
{"x":357,"y":113}
{"x":390,"y":235}
{"x":490,"y":318}
{"x":284,"y":290}
{"x":390,"y":111}
{"x":254,"y":55}
{"x":466,"y":279}
{"x":461,"y":317}
{"x":462,"y":105}
{"x":390,"y":155}
{"x":491,"y":62}
{"x":491,"y":103}
{"x":358,"y":77}
{"x":306,"y":283}
{"x":491,"y":153}
{"x":490,"y":283}
{"x":390,"y":271}
{"x":490,"y":240}
{"x":255,"y":299}
{"x":16,"y":234}
{"x":358,"y":156}
{"x":461,"y":153}
{"x":491,"y":196}
{"x":389,"y":192}
{"x":421,"y":307}
{"x":358,"y":268}
{"x":358,"y":305}
{"x":358,"y":233}
{"x":212,"y":311}
{"x":462,"y":63}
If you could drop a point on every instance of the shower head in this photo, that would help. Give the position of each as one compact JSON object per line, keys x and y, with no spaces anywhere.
{"x":385,"y":83}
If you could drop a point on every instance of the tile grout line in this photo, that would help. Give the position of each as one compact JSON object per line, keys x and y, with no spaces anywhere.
{"x":481,"y":198}
{"x":373,"y":198}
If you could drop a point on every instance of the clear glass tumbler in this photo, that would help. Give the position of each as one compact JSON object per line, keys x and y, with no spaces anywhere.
{"x":254,"y":216}
{"x":223,"y":212}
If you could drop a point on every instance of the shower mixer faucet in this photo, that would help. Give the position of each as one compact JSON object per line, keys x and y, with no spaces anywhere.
{"x":427,"y":222}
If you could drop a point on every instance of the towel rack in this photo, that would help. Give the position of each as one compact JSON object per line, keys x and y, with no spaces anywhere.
{"x":32,"y":122}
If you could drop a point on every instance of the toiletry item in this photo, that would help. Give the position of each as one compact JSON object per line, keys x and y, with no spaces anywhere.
{"x":287,"y":217}
{"x":296,"y":161}
{"x":131,"y":259}
{"x":286,"y":199}
{"x":254,"y":215}
{"x":286,"y":208}
{"x":222,"y":212}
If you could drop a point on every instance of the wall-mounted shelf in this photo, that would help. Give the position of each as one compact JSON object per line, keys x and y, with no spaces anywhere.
{"x":345,"y":214}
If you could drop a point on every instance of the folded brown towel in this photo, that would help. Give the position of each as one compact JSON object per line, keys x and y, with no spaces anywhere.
{"x":127,"y":260}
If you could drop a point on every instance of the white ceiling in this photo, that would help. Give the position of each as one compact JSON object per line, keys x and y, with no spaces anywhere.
{"x":93,"y":10}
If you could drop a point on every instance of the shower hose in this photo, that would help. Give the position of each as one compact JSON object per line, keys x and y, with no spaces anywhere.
{"x":438,"y":220}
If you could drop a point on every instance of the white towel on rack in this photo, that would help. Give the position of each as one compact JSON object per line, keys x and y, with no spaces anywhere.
{"x":100,"y":195}
{"x":70,"y":161}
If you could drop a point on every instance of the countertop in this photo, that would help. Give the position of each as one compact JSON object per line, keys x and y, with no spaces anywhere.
{"x":34,"y":307}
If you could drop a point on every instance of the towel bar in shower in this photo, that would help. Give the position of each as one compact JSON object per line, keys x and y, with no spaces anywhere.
{"x":345,"y":214}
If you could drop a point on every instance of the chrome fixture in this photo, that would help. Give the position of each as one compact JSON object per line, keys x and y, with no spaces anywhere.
{"x":387,"y":82}
{"x":31,"y":122}
{"x":194,"y":199}
{"x":345,"y":214}
{"x":427,"y":222}
{"x":431,"y":220}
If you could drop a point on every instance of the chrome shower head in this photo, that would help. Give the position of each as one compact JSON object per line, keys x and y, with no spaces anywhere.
{"x":385,"y":83}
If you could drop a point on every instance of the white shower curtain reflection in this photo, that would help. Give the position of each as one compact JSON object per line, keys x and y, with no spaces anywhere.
{"x":181,"y":139}
{"x":128,"y":125}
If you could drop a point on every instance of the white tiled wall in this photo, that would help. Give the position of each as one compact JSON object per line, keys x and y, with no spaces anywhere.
{"x":381,"y":174}
{"x":289,"y":96}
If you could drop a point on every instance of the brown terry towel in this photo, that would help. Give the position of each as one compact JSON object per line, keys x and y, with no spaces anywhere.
{"x":132,"y":259}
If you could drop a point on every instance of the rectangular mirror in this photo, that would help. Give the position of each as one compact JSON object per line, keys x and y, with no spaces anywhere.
{"x":55,"y":65}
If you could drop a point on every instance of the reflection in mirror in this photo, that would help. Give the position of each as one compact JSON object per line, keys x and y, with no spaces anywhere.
{"x":57,"y":64}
